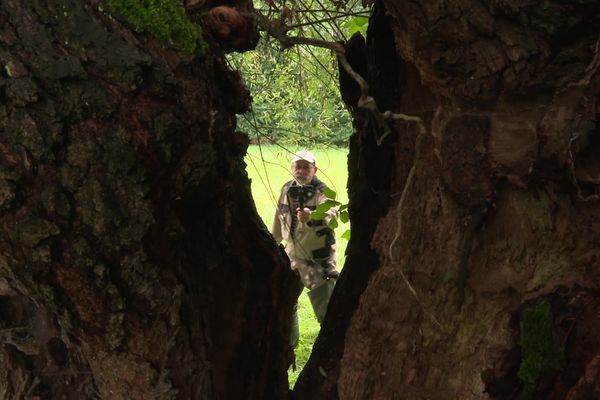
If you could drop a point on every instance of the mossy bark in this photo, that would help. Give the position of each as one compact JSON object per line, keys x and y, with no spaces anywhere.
{"x":133,"y":264}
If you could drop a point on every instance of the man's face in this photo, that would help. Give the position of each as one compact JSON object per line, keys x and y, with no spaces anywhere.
{"x":303,"y":171}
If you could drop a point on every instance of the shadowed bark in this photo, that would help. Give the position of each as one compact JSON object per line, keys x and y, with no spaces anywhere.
{"x":133,"y":264}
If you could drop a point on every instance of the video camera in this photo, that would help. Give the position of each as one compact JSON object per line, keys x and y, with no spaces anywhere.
{"x":301,"y":193}
{"x":331,"y":274}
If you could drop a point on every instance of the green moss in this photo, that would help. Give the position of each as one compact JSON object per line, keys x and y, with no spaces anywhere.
{"x":541,"y":350}
{"x":165,"y":19}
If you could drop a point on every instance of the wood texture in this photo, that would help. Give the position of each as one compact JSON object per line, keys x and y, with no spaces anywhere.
{"x":132,"y":261}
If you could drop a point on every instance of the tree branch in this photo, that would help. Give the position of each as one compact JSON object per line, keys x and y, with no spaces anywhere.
{"x":278,"y":30}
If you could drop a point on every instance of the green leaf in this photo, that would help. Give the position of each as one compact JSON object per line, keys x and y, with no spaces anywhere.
{"x":343,"y":207}
{"x":329,"y":193}
{"x":317,"y":215}
{"x":322,"y":209}
{"x":327,"y":205}
{"x":333,"y":224}
{"x":344,"y":217}
{"x":346,"y":235}
{"x":357,"y":24}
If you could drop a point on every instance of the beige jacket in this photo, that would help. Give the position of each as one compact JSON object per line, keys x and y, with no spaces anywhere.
{"x":311,"y":241}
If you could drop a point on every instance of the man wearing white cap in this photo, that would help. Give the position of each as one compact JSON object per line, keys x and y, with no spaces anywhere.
{"x":310,"y":244}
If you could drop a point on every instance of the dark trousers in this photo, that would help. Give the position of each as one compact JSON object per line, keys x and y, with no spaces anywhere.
{"x":319,"y":299}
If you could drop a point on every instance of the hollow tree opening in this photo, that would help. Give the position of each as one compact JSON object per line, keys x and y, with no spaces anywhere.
{"x":133,"y":263}
{"x":297,"y":105}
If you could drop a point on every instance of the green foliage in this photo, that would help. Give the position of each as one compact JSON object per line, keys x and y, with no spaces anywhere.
{"x":326,"y":206}
{"x":357,"y":24}
{"x":296,"y":99}
{"x":164,"y":19}
{"x":330,"y":193}
{"x":344,"y":216}
{"x":541,"y":350}
{"x":346,"y":235}
{"x":323,"y":208}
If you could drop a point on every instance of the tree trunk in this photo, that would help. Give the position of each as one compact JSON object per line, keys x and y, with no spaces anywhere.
{"x":133,"y":264}
{"x":472,"y":272}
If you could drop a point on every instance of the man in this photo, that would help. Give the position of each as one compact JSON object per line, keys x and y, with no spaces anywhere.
{"x":310,"y":244}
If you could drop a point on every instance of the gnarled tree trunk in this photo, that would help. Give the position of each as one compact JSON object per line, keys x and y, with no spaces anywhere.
{"x":133,"y":264}
{"x":472,"y":272}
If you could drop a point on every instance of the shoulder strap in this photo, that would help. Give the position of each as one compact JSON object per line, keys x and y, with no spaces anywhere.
{"x":318,"y":184}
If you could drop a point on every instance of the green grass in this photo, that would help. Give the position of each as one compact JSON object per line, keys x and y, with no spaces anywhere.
{"x":269,"y":168}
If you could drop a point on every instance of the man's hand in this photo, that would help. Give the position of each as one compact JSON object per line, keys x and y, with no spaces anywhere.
{"x":303,"y":215}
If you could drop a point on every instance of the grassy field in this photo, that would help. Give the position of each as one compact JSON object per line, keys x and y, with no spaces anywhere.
{"x":269,"y":168}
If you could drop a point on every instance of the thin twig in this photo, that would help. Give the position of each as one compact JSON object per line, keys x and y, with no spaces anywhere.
{"x":318,"y":32}
{"x":328,"y":19}
{"x":365,"y":102}
{"x":342,"y":13}
{"x":325,"y":69}
{"x":336,"y":27}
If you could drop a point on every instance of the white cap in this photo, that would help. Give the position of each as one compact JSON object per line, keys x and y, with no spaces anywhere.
{"x":306,"y":156}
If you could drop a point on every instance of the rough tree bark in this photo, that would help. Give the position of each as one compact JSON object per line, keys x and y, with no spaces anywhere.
{"x":498,"y":219}
{"x":132,"y":265}
{"x":132,"y":261}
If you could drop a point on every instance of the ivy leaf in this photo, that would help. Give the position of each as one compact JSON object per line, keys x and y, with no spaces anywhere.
{"x":346,"y":235}
{"x":343,"y":207}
